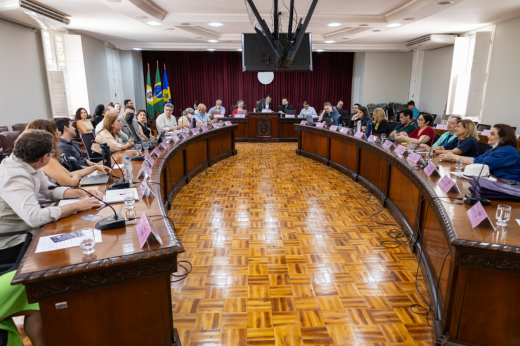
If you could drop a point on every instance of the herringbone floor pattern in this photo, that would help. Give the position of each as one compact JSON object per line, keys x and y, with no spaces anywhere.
{"x":284,"y":253}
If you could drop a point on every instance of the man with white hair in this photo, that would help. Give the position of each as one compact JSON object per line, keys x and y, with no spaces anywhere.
{"x":166,"y":122}
{"x":218,"y":108}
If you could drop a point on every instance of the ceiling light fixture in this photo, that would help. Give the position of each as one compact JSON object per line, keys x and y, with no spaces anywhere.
{"x":185,"y":23}
{"x":334,"y":24}
{"x":409,"y":18}
{"x":445,"y":3}
{"x":169,"y":29}
{"x":320,"y":50}
{"x":215,"y":24}
{"x":153,"y":23}
{"x":345,"y":38}
{"x":211,"y":49}
{"x":137,"y":48}
{"x":212,"y":41}
{"x":330,"y":41}
{"x":393,"y":25}
{"x":198,"y":37}
{"x":141,"y":17}
{"x":363,"y":24}
{"x":376,"y":30}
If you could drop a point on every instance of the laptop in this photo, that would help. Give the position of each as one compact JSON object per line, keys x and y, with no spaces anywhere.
{"x":96,"y":179}
{"x":309,"y":120}
{"x":242,"y":112}
{"x":290,"y":111}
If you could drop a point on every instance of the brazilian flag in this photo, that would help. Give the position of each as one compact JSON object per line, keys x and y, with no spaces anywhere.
{"x":149,"y":96}
{"x":167,"y":97}
{"x":158,"y":103}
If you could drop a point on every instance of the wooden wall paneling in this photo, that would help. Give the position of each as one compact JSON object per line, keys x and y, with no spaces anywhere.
{"x":404,"y":195}
{"x":375,"y":171}
{"x":287,"y":130}
{"x":196,"y":158}
{"x":339,"y":156}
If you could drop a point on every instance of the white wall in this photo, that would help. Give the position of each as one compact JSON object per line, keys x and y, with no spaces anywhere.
{"x":387,"y":77}
{"x":503,"y":89}
{"x":358,"y":72}
{"x":132,"y":75}
{"x":435,"y":81}
{"x":24,"y":93}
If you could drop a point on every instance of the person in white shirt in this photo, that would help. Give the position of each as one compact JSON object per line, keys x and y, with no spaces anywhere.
{"x":166,"y":121}
{"x":307,"y":110}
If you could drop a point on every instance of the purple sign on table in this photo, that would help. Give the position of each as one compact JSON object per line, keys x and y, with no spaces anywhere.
{"x":175,"y":139}
{"x":485,"y":133}
{"x":290,"y":116}
{"x":218,"y":116}
{"x":359,"y":134}
{"x":319,"y":125}
{"x":371,"y":138}
{"x":164,"y":145}
{"x":150,"y":160}
{"x":204,"y":128}
{"x":413,"y":158}
{"x":477,"y":214}
{"x":430,"y":169}
{"x":388,"y":144}
{"x":194,"y":130}
{"x":144,"y":228}
{"x":401,"y":149}
{"x":344,"y":130}
{"x":266,"y":111}
{"x":446,"y":184}
{"x":333,"y":128}
{"x":243,"y":115}
{"x":303,"y":122}
{"x":216,"y":125}
{"x":228,"y":123}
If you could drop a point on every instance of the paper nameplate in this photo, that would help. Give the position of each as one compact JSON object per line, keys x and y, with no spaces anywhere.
{"x":360,"y":135}
{"x":477,"y":215}
{"x":290,"y":116}
{"x":205,"y":128}
{"x":319,"y":125}
{"x":145,"y":171}
{"x":431,"y":170}
{"x":344,"y":130}
{"x":194,"y":130}
{"x":388,"y":144}
{"x":185,"y":135}
{"x":218,"y":116}
{"x":441,"y":127}
{"x":266,"y":111}
{"x":447,"y":184}
{"x":164,"y":145}
{"x":175,"y":139}
{"x":243,"y":115}
{"x":156,"y":151}
{"x":413,"y":158}
{"x":371,"y":138}
{"x":333,"y":128}
{"x":146,"y":189}
{"x":150,"y":160}
{"x":303,"y":122}
{"x":485,"y":133}
{"x":145,"y":227}
{"x":217,"y":125}
{"x":517,"y":137}
{"x":401,"y":149}
{"x":228,"y":123}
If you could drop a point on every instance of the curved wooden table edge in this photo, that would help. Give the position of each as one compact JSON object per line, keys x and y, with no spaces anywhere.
{"x":140,"y":258}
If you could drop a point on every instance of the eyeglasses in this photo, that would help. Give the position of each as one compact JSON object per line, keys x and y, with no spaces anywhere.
{"x":421,"y":120}
{"x":53,"y":152}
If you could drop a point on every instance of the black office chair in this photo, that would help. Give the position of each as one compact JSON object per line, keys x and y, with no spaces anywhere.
{"x":437,"y":136}
{"x":514,"y":127}
{"x":87,"y":139}
{"x":482,"y":148}
{"x":434,"y":118}
{"x":391,"y":127}
{"x":482,"y":127}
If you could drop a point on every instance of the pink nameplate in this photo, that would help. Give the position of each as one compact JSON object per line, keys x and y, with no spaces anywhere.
{"x":194,"y":130}
{"x":175,"y":139}
{"x":303,"y":122}
{"x":517,"y":137}
{"x":204,"y":128}
{"x":185,"y":135}
{"x":290,"y":116}
{"x":413,"y":158}
{"x":477,"y":215}
{"x":447,"y":184}
{"x":431,"y":169}
{"x":164,"y":145}
{"x":218,"y":116}
{"x":266,"y":111}
{"x":145,"y":227}
{"x":371,"y":138}
{"x":157,"y":151}
{"x":243,"y":115}
{"x":441,"y":127}
{"x":142,"y":171}
{"x":147,"y":188}
{"x":388,"y":144}
{"x":216,"y":125}
{"x":359,"y":134}
{"x":150,"y":160}
{"x":344,"y":130}
{"x":401,"y":149}
{"x":148,"y":171}
{"x":228,"y":123}
{"x":485,"y":133}
{"x":142,"y":188}
{"x":333,"y":128}
{"x":319,"y":125}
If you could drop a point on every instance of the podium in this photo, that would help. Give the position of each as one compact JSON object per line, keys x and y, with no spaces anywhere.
{"x":263,"y":126}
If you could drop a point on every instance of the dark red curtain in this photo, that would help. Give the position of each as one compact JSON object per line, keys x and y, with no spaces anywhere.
{"x":208,"y":76}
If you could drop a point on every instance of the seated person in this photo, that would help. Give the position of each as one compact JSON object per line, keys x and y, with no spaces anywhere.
{"x":338,"y":106}
{"x":285,"y":106}
{"x":307,"y":110}
{"x":406,"y":126}
{"x":464,"y":145}
{"x":202,"y":117}
{"x":503,"y":160}
{"x":130,"y":126}
{"x":329,"y":113}
{"x":423,"y":134}
{"x":145,"y":132}
{"x":67,"y":146}
{"x":195,"y":104}
{"x":266,"y":103}
{"x":186,"y":118}
{"x":218,"y":108}
{"x":166,"y":122}
{"x":240,"y":107}
{"x":21,"y":179}
{"x":99,"y":114}
{"x":83,"y":123}
{"x":110,"y":133}
{"x":411,"y":106}
{"x":449,"y":135}
{"x":54,"y":170}
{"x":100,"y":125}
{"x":361,"y":117}
{"x":380,"y":123}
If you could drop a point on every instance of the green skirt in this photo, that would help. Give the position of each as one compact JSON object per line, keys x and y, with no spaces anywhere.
{"x":13,"y":299}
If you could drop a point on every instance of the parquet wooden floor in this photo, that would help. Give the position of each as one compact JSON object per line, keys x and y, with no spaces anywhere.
{"x":284,"y":253}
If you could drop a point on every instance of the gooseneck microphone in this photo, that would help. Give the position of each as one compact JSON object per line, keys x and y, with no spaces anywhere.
{"x":138,"y":157}
{"x":120,"y":184}
{"x":109,"y":222}
{"x":473,"y":198}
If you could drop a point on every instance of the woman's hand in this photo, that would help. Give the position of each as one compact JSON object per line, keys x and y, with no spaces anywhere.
{"x":401,"y":136}
{"x":424,"y":147}
{"x":103,"y":169}
{"x":449,"y":156}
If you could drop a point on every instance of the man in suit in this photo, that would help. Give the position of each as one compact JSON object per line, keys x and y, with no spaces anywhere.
{"x":285,"y":106}
{"x":266,"y":103}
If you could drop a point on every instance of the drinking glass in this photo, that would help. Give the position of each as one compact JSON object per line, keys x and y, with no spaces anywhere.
{"x":129,"y":199}
{"x":459,"y":165}
{"x":383,"y":137}
{"x":503,"y":214}
{"x":130,"y":216}
{"x":139,"y":147}
{"x":340,"y":127}
{"x":88,"y":241}
{"x":145,"y":147}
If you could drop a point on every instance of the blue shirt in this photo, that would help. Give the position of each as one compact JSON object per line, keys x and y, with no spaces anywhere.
{"x":415,"y":115}
{"x":334,"y":116}
{"x":444,"y":139}
{"x":310,"y":111}
{"x":214,"y":109}
{"x":468,"y":146}
{"x":201,"y":118}
{"x":503,"y":162}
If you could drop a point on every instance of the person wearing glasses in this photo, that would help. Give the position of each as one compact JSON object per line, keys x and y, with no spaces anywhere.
{"x":450,"y":134}
{"x":423,"y":134}
{"x":54,"y":170}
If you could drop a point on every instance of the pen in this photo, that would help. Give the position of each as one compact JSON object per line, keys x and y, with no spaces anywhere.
{"x":98,"y":209}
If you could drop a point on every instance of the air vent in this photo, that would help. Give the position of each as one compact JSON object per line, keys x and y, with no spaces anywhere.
{"x":16,"y":25}
{"x":185,"y":23}
{"x":44,"y":12}
{"x":430,"y":42}
{"x":169,"y":29}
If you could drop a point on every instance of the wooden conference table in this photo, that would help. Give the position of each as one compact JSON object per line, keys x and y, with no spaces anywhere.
{"x":265,"y":127}
{"x":476,"y":301}
{"x":120,"y":295}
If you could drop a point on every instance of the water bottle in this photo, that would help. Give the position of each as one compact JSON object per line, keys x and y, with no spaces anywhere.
{"x":129,"y":174}
{"x":369,"y":128}
{"x":358,"y":126}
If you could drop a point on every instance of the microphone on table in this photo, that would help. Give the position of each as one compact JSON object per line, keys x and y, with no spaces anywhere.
{"x":472,"y":198}
{"x":120,"y":184}
{"x":138,"y":157}
{"x":109,"y":222}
